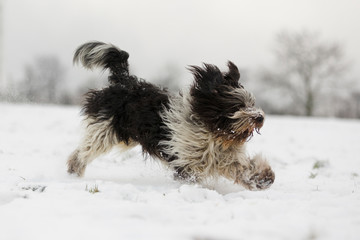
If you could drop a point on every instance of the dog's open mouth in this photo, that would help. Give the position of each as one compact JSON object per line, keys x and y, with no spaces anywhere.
{"x":241,"y":132}
{"x":244,"y":127}
{"x":242,"y":136}
{"x":246,"y":134}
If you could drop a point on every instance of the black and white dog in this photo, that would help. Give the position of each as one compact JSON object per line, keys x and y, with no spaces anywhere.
{"x":199,"y":134}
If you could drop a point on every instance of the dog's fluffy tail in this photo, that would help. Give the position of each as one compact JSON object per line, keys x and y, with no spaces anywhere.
{"x":102,"y":55}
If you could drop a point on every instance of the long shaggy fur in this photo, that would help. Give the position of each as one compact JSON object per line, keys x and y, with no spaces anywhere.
{"x":201,"y":133}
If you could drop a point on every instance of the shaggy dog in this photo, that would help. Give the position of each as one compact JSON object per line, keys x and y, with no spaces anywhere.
{"x":199,"y":134}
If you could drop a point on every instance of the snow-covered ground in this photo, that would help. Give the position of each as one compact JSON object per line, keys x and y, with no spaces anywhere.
{"x":316,"y":194}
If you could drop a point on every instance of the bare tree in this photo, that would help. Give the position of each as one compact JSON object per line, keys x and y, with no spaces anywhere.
{"x":43,"y":80}
{"x":29,"y":86}
{"x":306,"y":67}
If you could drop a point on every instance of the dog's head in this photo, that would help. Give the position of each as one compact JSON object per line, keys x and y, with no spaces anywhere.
{"x":223,"y":104}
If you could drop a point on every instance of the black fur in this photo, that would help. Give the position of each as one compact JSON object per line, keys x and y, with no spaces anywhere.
{"x":112,"y":58}
{"x":133,"y":105}
{"x":212,"y":97}
{"x":134,"y":112}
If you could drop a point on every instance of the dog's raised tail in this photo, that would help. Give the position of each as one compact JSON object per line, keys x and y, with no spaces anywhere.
{"x":102,"y":55}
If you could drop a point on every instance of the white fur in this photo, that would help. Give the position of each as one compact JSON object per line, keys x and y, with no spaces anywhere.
{"x":244,"y":96}
{"x":199,"y":152}
{"x":93,"y":57}
{"x":99,"y":138}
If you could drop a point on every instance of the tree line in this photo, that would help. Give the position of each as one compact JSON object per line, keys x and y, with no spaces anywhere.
{"x":308,"y":77}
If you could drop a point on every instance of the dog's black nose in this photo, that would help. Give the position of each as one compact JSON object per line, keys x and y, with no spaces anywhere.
{"x":259,"y":119}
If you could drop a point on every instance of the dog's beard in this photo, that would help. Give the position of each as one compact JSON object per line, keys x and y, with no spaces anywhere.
{"x":249,"y":120}
{"x":244,"y":124}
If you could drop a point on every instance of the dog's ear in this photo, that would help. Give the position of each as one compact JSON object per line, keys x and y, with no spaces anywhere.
{"x":211,"y":97}
{"x":232,"y":77}
{"x":207,"y":78}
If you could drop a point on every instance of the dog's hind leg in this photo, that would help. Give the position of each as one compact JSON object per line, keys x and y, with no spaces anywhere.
{"x":99,"y":138}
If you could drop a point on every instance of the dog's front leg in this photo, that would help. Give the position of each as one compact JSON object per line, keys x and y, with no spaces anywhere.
{"x":254,"y":174}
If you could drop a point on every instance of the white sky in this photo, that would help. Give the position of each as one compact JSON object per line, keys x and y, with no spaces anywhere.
{"x":185,"y":32}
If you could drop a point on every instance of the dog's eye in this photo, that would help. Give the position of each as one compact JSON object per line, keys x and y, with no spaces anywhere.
{"x":241,"y":106}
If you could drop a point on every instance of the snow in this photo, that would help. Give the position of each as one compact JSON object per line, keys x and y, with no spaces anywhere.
{"x":316,"y":192}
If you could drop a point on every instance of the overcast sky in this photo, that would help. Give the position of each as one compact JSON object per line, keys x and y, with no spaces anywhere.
{"x":185,"y":32}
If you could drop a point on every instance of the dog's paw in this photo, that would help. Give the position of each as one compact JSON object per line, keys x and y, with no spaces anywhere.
{"x":181,"y":175}
{"x":258,"y":176}
{"x":263,"y":180}
{"x":75,"y":166}
{"x":257,"y":181}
